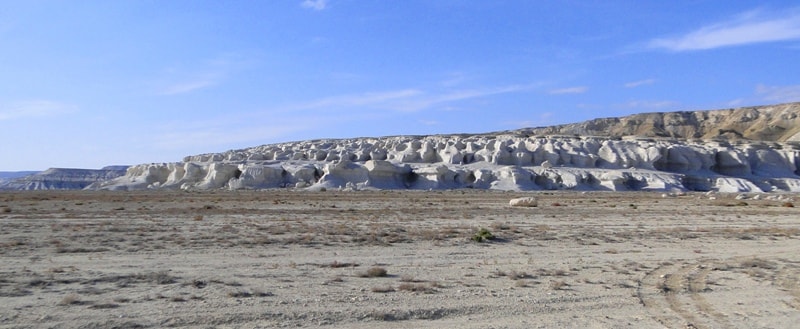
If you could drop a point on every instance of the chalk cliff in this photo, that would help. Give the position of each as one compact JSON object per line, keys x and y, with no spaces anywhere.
{"x":735,"y":150}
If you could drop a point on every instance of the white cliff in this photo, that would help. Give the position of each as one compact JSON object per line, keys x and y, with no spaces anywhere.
{"x":733,"y":150}
{"x":503,"y":161}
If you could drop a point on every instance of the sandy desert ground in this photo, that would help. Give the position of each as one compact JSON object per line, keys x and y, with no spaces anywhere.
{"x":396,"y":259}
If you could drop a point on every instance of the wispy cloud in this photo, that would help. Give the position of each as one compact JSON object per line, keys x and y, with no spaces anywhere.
{"x":454,"y":79}
{"x":748,"y":28}
{"x":781,"y":94}
{"x":203,"y":135}
{"x":188,"y":86}
{"x":634,"y":84}
{"x":33,"y":109}
{"x":349,"y":101}
{"x":406,"y":100}
{"x":201,"y":75}
{"x":648,"y":105}
{"x":570,"y":90}
{"x":315,"y":4}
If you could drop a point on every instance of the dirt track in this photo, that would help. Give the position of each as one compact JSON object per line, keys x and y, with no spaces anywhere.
{"x":287,"y":259}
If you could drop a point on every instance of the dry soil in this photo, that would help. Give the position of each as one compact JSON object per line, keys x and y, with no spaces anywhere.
{"x":396,"y":259}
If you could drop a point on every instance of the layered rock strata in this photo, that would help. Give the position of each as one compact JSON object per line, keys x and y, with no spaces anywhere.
{"x":505,"y":162}
{"x":63,"y":178}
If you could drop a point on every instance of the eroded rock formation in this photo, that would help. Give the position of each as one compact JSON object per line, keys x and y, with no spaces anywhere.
{"x":507,"y":162}
{"x":63,"y":178}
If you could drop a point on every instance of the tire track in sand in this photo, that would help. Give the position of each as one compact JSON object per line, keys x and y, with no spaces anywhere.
{"x":672,"y":295}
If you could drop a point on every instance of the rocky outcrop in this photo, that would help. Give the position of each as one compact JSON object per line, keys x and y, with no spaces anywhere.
{"x":63,"y":178}
{"x":6,"y":176}
{"x":732,"y":150}
{"x":779,"y":123}
{"x":506,"y":162}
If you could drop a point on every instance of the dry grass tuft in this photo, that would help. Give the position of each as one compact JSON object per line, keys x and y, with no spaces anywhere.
{"x":415,"y":287}
{"x":382,"y":289}
{"x":248,"y":294}
{"x":71,"y":299}
{"x":374,"y":272}
{"x":558,"y":284}
{"x":757,"y":263}
{"x":337,"y":264}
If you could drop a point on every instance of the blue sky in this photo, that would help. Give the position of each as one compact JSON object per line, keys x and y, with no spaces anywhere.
{"x":94,"y":83}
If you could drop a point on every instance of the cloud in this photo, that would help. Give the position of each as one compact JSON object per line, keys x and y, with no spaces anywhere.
{"x":651,"y":105}
{"x":639,"y":83}
{"x":33,"y":109}
{"x":314,"y":4}
{"x":454,"y":79}
{"x":748,"y":28}
{"x":735,"y":102}
{"x":188,"y":86}
{"x":571,"y":90}
{"x":780,"y":94}
{"x":204,"y":74}
{"x":405,"y":100}
{"x":201,"y":135}
{"x":364,"y":99}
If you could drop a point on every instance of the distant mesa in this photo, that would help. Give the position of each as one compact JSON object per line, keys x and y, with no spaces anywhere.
{"x":753,"y":149}
{"x":60,"y":178}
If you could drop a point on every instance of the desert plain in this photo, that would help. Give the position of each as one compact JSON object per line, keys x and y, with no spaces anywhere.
{"x":398,"y":259}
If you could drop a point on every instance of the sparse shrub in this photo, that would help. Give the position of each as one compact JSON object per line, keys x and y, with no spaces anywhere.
{"x":558,"y":284}
{"x":382,"y":289}
{"x":199,"y":284}
{"x":757,"y":263}
{"x":483,"y":235}
{"x":247,"y":294}
{"x":788,"y":205}
{"x":334,"y":280}
{"x":415,"y":287}
{"x":104,"y":306}
{"x":71,"y":299}
{"x":337,"y":264}
{"x":514,"y":275}
{"x":162,"y":277}
{"x":198,"y":217}
{"x":240,"y":294}
{"x":374,"y":272}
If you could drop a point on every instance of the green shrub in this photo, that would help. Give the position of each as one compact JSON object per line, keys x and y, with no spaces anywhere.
{"x":482,"y":235}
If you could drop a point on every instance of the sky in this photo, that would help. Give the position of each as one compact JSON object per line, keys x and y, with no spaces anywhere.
{"x":85,"y":84}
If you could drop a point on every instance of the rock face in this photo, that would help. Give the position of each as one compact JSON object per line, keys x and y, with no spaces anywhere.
{"x":505,"y":162}
{"x":6,"y":176}
{"x":736,"y":150}
{"x":63,"y":179}
{"x":778,"y":123}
